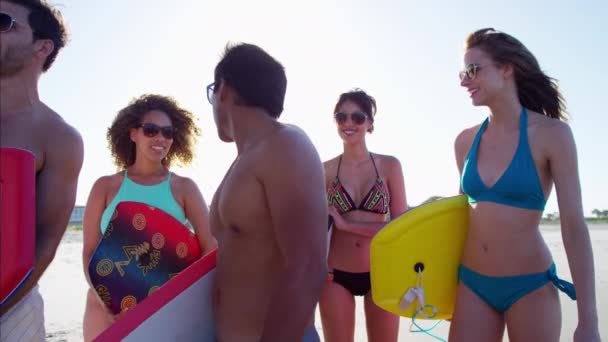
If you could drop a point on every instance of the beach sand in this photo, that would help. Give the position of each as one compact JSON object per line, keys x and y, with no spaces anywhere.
{"x":63,"y":288}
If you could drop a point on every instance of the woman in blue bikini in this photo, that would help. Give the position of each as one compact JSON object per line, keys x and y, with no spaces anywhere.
{"x":145,"y":139}
{"x":508,"y":166}
{"x":364,"y":190}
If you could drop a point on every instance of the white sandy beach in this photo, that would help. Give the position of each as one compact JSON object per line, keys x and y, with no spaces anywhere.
{"x":63,"y":288}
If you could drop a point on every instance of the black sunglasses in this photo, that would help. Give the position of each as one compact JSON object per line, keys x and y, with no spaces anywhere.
{"x":6,"y":22}
{"x":210,"y":91}
{"x":357,"y":117}
{"x":151,"y":130}
{"x":470,"y":71}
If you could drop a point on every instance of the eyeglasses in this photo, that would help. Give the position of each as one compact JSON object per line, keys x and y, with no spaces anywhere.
{"x":357,"y":117}
{"x":470,"y":71}
{"x":6,"y":22}
{"x":210,"y":91}
{"x":151,"y":130}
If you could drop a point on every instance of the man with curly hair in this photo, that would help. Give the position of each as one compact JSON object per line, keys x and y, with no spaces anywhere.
{"x":269,"y":214}
{"x":32,"y":33}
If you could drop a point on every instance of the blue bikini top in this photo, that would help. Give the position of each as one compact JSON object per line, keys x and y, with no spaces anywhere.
{"x":519,"y":186}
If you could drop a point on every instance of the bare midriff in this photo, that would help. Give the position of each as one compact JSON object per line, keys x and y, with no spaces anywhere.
{"x":349,"y":252}
{"x":505,"y":241}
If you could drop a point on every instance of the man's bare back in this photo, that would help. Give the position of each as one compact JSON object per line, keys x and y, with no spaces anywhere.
{"x":244,"y":214}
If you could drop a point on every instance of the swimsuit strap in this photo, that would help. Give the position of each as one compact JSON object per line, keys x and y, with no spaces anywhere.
{"x":564,"y":286}
{"x":338,"y":171}
{"x":374,"y":163}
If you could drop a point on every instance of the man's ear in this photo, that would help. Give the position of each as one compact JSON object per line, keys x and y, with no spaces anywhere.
{"x":508,"y":71}
{"x":227,"y":95}
{"x":222,"y":91}
{"x":44,"y":47}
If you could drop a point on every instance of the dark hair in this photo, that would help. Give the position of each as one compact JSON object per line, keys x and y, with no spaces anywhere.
{"x":46,"y":23}
{"x":119,"y":139}
{"x":258,"y":79}
{"x":365,"y":101}
{"x":535,"y":89}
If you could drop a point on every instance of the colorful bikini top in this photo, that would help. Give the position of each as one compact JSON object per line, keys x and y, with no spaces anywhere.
{"x":376,"y":200}
{"x":519,"y":186}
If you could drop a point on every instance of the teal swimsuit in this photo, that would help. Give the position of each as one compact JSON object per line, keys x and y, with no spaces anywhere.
{"x":518,"y":187}
{"x":157,"y":195}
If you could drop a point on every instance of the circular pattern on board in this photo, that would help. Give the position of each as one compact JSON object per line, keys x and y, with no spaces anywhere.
{"x":181,"y":250}
{"x":158,"y":241}
{"x":139,"y":221}
{"x":128,"y":302}
{"x":104,"y":267}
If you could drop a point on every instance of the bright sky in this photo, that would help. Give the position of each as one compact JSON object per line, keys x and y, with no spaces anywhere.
{"x":405,"y":53}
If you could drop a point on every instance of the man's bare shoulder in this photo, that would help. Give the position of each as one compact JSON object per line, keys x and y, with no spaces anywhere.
{"x":62,"y":144}
{"x":290,"y":148}
{"x":58,"y":130}
{"x":290,"y":139}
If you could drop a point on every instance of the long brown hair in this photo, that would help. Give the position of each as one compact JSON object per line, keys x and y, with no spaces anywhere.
{"x":535,"y":89}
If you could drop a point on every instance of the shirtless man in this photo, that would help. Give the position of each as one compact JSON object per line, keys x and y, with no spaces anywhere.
{"x":269,"y":214}
{"x":31,"y":35}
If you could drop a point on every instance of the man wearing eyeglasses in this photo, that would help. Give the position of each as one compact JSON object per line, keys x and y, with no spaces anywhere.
{"x":269,"y":214}
{"x":31,"y":35}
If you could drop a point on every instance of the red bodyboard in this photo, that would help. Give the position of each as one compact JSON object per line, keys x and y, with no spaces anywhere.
{"x":17,"y":219}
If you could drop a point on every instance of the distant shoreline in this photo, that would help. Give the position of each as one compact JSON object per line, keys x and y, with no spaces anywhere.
{"x":589,"y":220}
{"x":545,"y":224}
{"x":557,"y":227}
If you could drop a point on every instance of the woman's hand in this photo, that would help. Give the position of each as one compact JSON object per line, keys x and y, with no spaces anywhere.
{"x":339,"y":222}
{"x":119,"y":315}
{"x":587,"y":333}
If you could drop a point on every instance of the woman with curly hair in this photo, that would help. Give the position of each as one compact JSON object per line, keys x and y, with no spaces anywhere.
{"x":146,"y":137}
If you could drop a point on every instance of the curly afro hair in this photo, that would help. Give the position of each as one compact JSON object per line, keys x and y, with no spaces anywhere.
{"x":184,"y":139}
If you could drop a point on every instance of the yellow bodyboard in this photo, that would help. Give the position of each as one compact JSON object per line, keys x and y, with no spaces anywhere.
{"x":431,"y":235}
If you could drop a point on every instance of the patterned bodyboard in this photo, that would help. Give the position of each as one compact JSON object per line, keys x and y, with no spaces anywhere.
{"x":143,"y":248}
